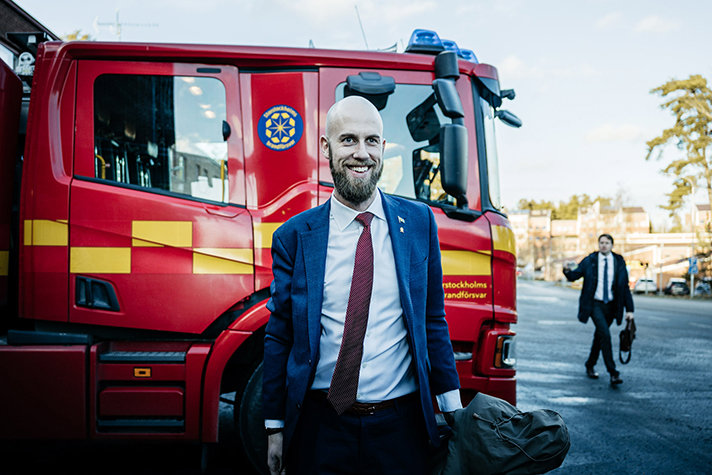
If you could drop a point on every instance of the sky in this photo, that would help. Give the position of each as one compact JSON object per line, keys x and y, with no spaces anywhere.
{"x":582,"y":70}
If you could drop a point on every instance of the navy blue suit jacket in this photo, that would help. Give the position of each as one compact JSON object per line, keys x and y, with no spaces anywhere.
{"x":292,"y":335}
{"x":588,"y":269}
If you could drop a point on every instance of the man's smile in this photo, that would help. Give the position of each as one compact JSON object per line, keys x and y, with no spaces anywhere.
{"x":358,"y":169}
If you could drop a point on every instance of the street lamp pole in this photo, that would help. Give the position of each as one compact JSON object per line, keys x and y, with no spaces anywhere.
{"x":692,"y":229}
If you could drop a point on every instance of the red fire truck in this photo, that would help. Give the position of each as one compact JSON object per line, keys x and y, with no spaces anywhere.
{"x":140,"y":186}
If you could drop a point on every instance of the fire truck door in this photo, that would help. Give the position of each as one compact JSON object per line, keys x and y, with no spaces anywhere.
{"x":159,"y":235}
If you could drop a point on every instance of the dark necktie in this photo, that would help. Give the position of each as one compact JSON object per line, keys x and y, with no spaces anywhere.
{"x":606,"y":297}
{"x":344,"y":382}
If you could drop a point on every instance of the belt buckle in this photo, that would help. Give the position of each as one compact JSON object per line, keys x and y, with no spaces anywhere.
{"x":364,"y":408}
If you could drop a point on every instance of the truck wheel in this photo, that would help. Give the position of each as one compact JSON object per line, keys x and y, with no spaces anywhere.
{"x":250,"y":422}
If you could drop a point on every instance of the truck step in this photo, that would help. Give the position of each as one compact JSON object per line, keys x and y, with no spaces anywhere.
{"x":141,"y":425}
{"x":26,"y":337}
{"x":142,"y":357}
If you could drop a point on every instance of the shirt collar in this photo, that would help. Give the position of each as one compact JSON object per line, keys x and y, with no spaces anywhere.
{"x":343,"y":215}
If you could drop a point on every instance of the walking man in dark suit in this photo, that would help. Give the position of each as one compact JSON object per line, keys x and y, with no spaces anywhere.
{"x":604,"y":296}
{"x":357,"y":341}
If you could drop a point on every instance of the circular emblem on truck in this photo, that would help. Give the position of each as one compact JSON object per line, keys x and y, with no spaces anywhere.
{"x":280,"y":128}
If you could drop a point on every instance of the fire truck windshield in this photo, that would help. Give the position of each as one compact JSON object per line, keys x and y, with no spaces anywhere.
{"x":411,"y":165}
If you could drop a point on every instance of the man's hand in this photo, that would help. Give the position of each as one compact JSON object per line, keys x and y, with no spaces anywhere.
{"x":629,"y":316}
{"x":274,"y":454}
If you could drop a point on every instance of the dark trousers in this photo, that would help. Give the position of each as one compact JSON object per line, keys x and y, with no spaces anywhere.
{"x":602,"y":316}
{"x":391,"y":441}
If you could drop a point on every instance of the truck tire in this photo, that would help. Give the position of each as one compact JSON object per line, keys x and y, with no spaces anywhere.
{"x":250,"y":422}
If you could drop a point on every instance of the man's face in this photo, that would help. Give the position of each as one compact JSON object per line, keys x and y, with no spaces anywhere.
{"x":605,"y":245}
{"x":354,"y":146}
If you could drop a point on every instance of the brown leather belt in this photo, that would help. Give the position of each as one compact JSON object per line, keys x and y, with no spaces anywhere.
{"x":366,"y":408}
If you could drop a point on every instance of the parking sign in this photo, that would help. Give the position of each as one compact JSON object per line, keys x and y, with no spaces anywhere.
{"x":693,"y":265}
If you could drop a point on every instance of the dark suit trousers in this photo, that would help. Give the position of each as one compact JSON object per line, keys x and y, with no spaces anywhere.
{"x":602,"y":316}
{"x":391,"y":441}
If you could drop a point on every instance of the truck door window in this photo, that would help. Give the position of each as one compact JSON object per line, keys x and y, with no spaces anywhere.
{"x":162,"y":132}
{"x":411,"y":127}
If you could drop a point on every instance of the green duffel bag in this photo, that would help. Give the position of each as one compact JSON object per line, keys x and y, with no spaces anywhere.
{"x":490,"y":436}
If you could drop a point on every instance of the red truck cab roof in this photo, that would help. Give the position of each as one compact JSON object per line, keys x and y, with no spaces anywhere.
{"x":255,"y":56}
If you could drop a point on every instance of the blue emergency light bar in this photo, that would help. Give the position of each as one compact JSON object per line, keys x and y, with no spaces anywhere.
{"x":424,"y":41}
{"x":428,"y":41}
{"x":450,"y":45}
{"x":468,"y":55}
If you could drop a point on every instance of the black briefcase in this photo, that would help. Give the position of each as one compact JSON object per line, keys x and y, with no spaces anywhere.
{"x":626,"y":341}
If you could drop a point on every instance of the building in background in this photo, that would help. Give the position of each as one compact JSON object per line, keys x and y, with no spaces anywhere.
{"x":545,"y":244}
{"x":14,"y":19}
{"x":565,"y":241}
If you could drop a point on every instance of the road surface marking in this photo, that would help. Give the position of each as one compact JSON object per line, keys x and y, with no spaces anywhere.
{"x":701,"y":325}
{"x":538,"y":298}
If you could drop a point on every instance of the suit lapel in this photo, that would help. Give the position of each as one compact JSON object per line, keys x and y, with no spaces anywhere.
{"x":398,"y":230}
{"x":617,"y":264}
{"x":314,"y":244}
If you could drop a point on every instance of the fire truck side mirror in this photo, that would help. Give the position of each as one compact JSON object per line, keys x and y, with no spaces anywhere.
{"x":226,"y":131}
{"x":453,"y":161}
{"x":508,"y":94}
{"x":446,"y":66}
{"x":508,"y":118}
{"x":448,"y":98}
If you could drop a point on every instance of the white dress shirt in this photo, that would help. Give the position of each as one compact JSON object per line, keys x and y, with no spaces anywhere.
{"x":601,"y":265}
{"x":386,"y":371}
{"x":386,"y":364}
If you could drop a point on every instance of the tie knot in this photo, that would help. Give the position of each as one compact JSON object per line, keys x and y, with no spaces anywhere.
{"x":365,"y":218}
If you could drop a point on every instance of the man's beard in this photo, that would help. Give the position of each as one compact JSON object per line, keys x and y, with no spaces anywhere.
{"x":354,"y":191}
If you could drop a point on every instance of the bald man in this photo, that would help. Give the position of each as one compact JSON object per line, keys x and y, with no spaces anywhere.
{"x":357,"y":342}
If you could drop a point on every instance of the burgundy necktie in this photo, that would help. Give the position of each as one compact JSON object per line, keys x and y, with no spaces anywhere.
{"x":344,"y":382}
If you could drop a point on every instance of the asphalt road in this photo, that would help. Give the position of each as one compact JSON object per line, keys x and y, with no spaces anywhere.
{"x":659,"y":421}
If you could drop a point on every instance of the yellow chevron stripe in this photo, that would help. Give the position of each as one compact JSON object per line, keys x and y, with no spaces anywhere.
{"x":45,"y":232}
{"x":4,"y":262}
{"x":158,"y":233}
{"x":100,"y":260}
{"x":503,"y":239}
{"x":28,"y":233}
{"x":142,"y":243}
{"x":466,"y":263}
{"x":222,"y":261}
{"x":263,"y":234}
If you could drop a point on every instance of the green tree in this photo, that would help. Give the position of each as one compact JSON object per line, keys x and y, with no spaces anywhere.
{"x":570,"y":209}
{"x":690,"y":101}
{"x":567,"y":209}
{"x":535,"y":205}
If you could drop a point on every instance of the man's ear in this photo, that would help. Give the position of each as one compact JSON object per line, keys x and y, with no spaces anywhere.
{"x":324,"y":145}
